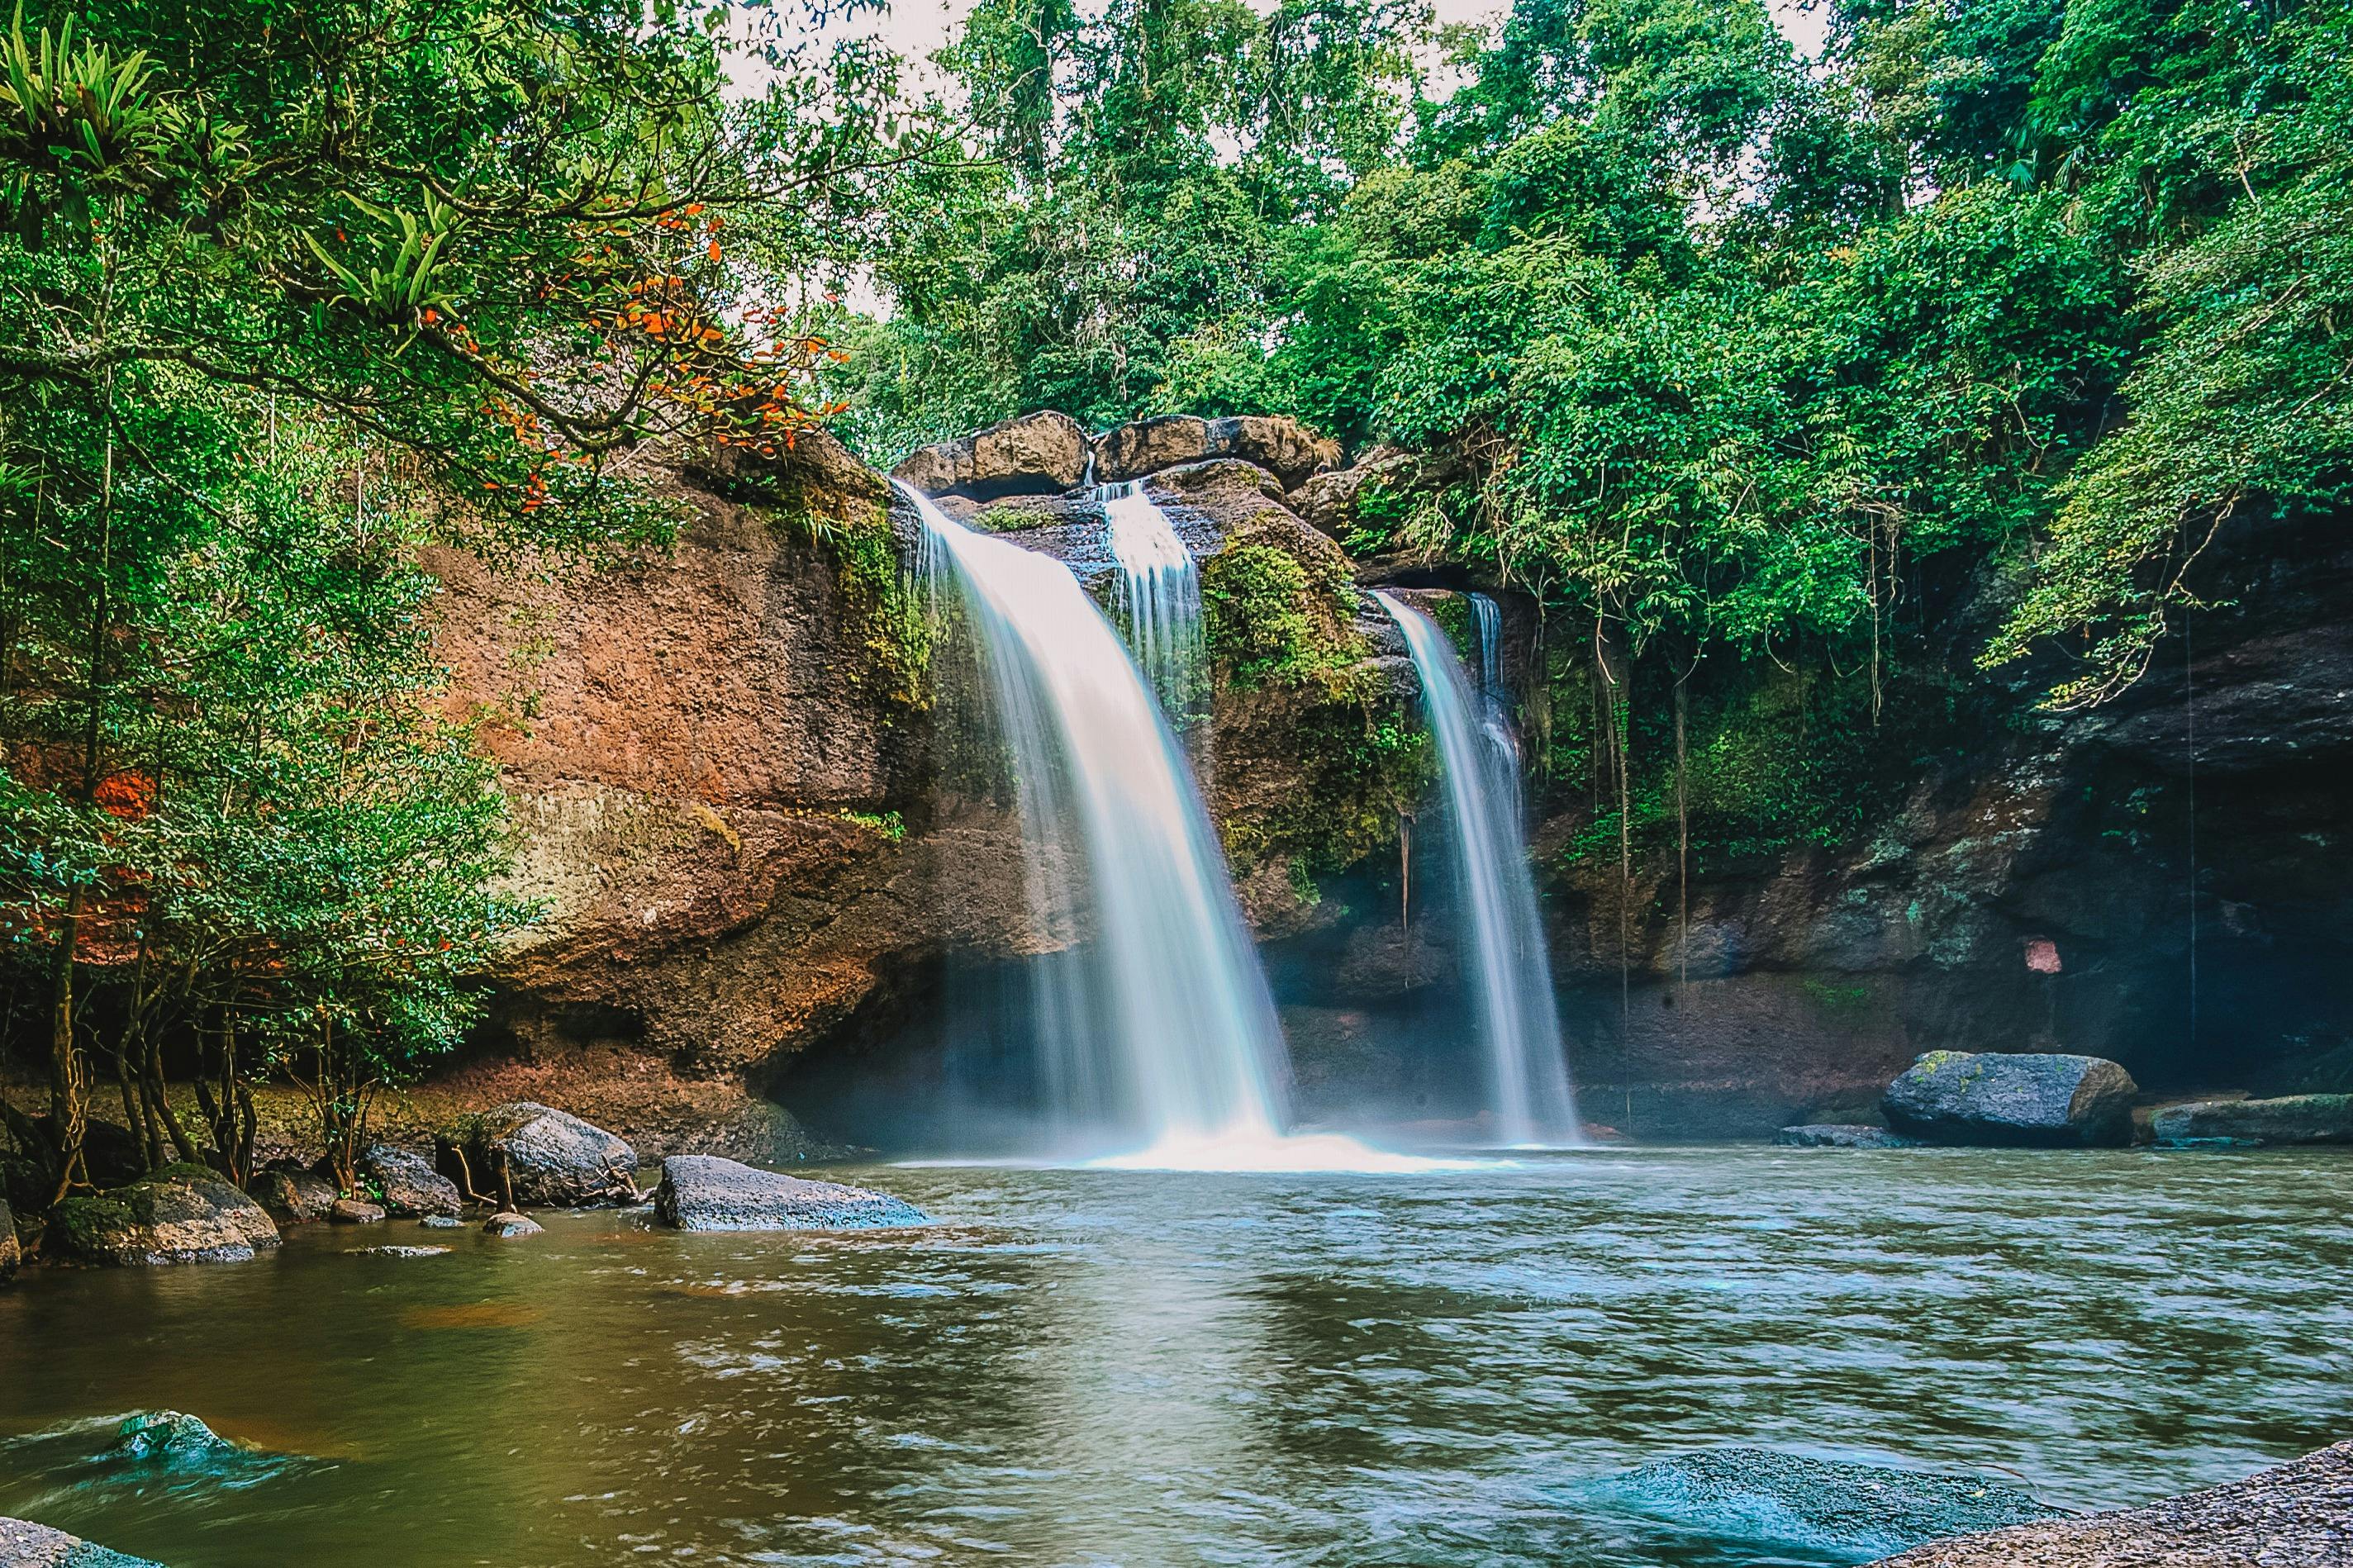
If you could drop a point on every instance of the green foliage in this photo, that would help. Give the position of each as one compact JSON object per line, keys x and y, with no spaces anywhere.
{"x":1269,"y":622}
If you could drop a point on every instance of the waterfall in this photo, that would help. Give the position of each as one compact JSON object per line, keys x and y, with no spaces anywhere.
{"x":1161,"y":1028}
{"x":1518,"y":1020}
{"x":1160,"y":597}
{"x":1490,"y":619}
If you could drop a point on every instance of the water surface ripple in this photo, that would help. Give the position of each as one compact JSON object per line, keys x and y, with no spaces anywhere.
{"x":1096,"y":1367}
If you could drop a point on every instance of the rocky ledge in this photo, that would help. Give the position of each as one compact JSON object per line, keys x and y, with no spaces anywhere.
{"x":2298,"y":1515}
{"x":24,"y":1545}
{"x":2291,"y":1119}
{"x":702,"y":1192}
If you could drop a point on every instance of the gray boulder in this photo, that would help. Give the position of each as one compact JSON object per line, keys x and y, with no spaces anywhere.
{"x":2291,"y":1119}
{"x":294,"y":1196}
{"x":24,"y":1545}
{"x":2036,"y":1099}
{"x":702,"y":1192}
{"x":1841,"y":1135}
{"x":1280,"y":445}
{"x":412,"y":1188}
{"x":506,"y":1225}
{"x":551,"y":1158}
{"x":11,"y":1255}
{"x":1826,"y":1505}
{"x":399,"y":1251}
{"x":1038,"y":454}
{"x":356,"y":1211}
{"x":181,"y":1214}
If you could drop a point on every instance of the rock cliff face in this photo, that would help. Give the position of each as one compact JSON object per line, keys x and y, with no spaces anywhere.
{"x":737,"y":768}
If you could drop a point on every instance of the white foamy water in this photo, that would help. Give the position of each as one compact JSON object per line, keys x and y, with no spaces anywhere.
{"x":1158,"y":1034}
{"x":1518,"y":1019}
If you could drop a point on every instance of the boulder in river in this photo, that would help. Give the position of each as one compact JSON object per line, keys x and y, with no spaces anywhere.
{"x":2042,"y":1100}
{"x":1824,"y":1505}
{"x":24,"y":1545}
{"x":551,"y":1158}
{"x":1841,"y":1135}
{"x":412,"y":1188}
{"x":702,"y":1192}
{"x":356,"y":1211}
{"x":181,"y":1214}
{"x":172,"y":1437}
{"x":2291,"y":1119}
{"x":294,"y":1195}
{"x":507,"y":1224}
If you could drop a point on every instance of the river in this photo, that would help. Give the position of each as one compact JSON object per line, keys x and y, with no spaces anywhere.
{"x":1106,"y":1367}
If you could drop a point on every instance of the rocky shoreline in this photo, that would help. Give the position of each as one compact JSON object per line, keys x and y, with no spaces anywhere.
{"x":2296,"y":1515}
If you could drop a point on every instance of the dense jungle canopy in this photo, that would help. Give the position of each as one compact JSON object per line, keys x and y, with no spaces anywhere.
{"x":1732,"y":356}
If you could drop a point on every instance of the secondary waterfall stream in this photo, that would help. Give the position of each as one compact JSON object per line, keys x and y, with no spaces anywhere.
{"x":1518,"y":1019}
{"x":1160,"y":596}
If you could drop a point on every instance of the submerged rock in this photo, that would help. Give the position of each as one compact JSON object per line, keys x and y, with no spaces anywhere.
{"x":2043,"y":1099}
{"x":397,"y":1251}
{"x":24,"y":1545}
{"x":441,"y":1222}
{"x":507,"y":1224}
{"x":552,"y":1158}
{"x":412,"y":1188}
{"x":1841,"y":1135}
{"x":2290,"y":1516}
{"x":702,"y":1192}
{"x":2292,"y":1119}
{"x":1762,"y":1494}
{"x":172,"y":1437}
{"x":181,"y":1214}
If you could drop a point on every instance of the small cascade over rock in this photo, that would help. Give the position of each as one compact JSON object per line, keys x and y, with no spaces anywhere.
{"x":1477,"y":756}
{"x":1160,"y":599}
{"x":1164,"y":1032}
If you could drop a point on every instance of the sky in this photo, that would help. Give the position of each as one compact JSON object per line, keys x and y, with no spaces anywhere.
{"x":915,"y":27}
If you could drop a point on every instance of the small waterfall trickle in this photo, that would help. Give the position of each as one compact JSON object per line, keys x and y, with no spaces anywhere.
{"x":1162,"y":1031}
{"x":1478,"y":755}
{"x":1160,"y":599}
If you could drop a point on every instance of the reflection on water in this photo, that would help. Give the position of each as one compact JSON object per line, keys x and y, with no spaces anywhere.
{"x":1149,"y":1368}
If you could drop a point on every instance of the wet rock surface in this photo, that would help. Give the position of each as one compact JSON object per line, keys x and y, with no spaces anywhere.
{"x":181,"y":1214}
{"x":507,"y":1224}
{"x":356,"y":1211}
{"x":548,"y":1158}
{"x":171,"y":1436}
{"x":2290,"y":1119}
{"x":2296,"y":1515}
{"x":399,"y":1250}
{"x":24,"y":1545}
{"x":1841,"y":1135}
{"x":701,"y":1192}
{"x":1766,"y":1495}
{"x":2045,"y":1100}
{"x":412,"y":1188}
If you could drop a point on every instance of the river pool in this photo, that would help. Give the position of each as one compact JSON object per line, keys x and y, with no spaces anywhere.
{"x":1107,"y":1367}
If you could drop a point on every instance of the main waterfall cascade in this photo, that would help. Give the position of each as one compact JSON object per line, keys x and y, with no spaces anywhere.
{"x":1478,"y":754}
{"x":1160,"y":1031}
